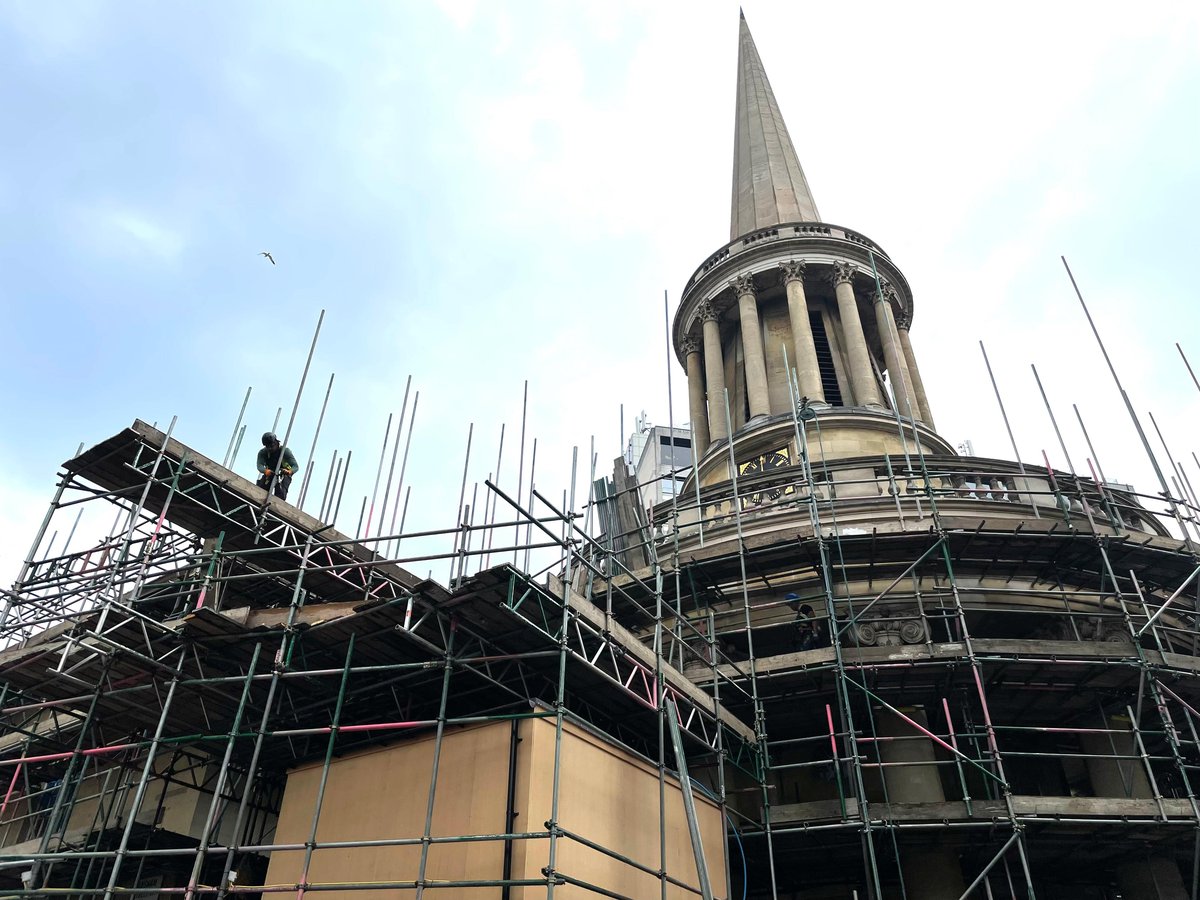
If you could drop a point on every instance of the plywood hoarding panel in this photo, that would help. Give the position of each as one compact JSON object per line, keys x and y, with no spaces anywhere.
{"x":382,"y":793}
{"x":606,"y":795}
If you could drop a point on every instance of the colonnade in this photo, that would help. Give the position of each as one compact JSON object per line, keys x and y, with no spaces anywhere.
{"x":705,"y":360}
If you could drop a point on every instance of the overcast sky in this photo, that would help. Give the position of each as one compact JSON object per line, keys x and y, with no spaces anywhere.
{"x":484,"y":193}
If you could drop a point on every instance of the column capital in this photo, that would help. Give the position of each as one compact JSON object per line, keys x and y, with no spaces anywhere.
{"x":689,"y":345}
{"x":793,"y":270}
{"x":743,"y":285}
{"x":707,"y":312}
{"x":843,"y":272}
{"x":904,"y":320}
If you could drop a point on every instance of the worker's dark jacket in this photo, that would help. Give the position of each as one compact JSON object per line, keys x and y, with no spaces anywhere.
{"x":268,"y":458}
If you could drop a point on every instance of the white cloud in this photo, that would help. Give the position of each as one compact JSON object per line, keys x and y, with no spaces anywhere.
{"x":153,"y":237}
{"x":461,"y":13}
{"x":121,"y":231}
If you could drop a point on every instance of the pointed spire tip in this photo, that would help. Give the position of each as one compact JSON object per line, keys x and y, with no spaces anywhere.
{"x":769,"y":187}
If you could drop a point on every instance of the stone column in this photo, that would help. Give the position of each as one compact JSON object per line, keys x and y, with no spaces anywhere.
{"x":914,"y":374}
{"x":714,"y":372}
{"x":893,"y":354}
{"x":1154,"y":877}
{"x":931,"y":873}
{"x":752,"y":346}
{"x":1112,"y":776}
{"x":808,"y":373}
{"x":695,"y":376}
{"x":862,"y":376}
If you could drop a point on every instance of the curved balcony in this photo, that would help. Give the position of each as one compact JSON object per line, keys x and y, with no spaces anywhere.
{"x":892,"y":492}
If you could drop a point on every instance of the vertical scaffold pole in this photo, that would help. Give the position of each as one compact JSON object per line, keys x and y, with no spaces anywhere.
{"x":311,"y":843}
{"x":308,"y":471}
{"x":1162,"y":481}
{"x":560,"y":697}
{"x":846,"y":711}
{"x":37,"y":540}
{"x":140,"y":793}
{"x":295,"y":408}
{"x":760,"y":722}
{"x":236,"y":427}
{"x":439,"y":737}
{"x":689,"y":802}
{"x":277,"y":669}
{"x":1007,"y":427}
{"x":65,"y":787}
{"x":222,"y":776}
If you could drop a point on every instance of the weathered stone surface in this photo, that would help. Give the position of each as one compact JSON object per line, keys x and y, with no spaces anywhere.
{"x":769,"y":186}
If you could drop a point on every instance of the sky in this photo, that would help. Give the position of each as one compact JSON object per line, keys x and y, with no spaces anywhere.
{"x":484,"y":194}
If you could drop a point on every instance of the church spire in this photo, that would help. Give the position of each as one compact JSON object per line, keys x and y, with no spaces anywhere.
{"x":769,"y":186}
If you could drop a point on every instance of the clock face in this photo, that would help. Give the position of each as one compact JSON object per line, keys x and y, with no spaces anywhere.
{"x":771,"y":461}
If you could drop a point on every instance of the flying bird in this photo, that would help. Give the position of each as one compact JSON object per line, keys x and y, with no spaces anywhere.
{"x":268,"y":256}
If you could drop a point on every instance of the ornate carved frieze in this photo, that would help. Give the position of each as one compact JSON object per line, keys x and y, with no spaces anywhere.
{"x":843,"y":272}
{"x":793,"y":270}
{"x":742,"y":285}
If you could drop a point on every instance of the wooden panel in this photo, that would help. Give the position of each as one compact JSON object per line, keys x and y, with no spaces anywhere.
{"x":382,"y":793}
{"x":611,"y":799}
{"x":605,"y":795}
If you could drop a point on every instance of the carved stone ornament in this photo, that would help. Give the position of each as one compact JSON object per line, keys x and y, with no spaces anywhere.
{"x":689,"y":345}
{"x":742,"y":285}
{"x":707,"y":312}
{"x":904,"y":320}
{"x":793,"y":270}
{"x":843,"y":273}
{"x":886,"y":291}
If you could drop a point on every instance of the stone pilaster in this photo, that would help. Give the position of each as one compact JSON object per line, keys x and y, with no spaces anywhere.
{"x":699,"y":413}
{"x":752,"y":346}
{"x":914,"y":374}
{"x":808,"y":373}
{"x":714,"y":372}
{"x":862,"y":375}
{"x":893,"y":353}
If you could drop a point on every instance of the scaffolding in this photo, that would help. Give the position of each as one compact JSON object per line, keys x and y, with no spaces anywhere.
{"x":1020,"y":643}
{"x":220,"y":641}
{"x":906,"y":675}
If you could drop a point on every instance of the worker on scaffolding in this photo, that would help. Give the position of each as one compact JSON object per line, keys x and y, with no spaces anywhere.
{"x":276,"y":460}
{"x":807,"y":631}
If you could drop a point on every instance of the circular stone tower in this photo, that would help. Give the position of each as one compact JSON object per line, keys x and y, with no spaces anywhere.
{"x":794,"y":309}
{"x":968,"y":677}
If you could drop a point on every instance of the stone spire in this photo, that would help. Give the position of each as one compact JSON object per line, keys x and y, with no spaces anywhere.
{"x":769,"y":186}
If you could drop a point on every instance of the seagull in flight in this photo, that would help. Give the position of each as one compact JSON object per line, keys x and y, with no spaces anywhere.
{"x":268,"y":256}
